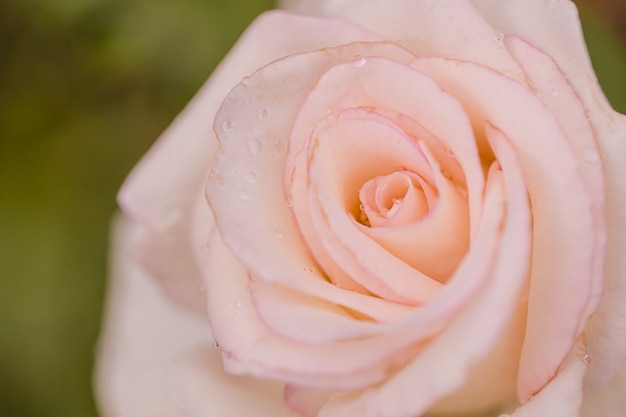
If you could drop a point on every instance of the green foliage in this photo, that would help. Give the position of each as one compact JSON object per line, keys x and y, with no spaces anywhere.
{"x":85,"y":87}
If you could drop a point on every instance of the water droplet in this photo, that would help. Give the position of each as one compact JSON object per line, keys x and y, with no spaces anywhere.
{"x":279,"y":148}
{"x":238,"y":304}
{"x":450,"y":153}
{"x":263,"y":114}
{"x":583,"y":355}
{"x":246,"y":80}
{"x":243,"y":194}
{"x":289,"y":202}
{"x":359,"y":61}
{"x":278,"y":233}
{"x":396,"y":201}
{"x":591,"y":156}
{"x":200,"y":289}
{"x":255,"y":146}
{"x":215,"y":344}
{"x":554,"y":91}
{"x":227,"y":125}
{"x":250,"y":177}
{"x":362,"y":207}
{"x":499,"y":36}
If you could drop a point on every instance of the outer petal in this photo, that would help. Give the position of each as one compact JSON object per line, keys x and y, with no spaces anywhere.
{"x":552,"y":26}
{"x":144,"y":339}
{"x":563,"y":232}
{"x":606,"y":330}
{"x":205,"y":391}
{"x":551,"y":86}
{"x":424,"y":28}
{"x":609,"y":400}
{"x":161,"y":193}
{"x":562,"y":397}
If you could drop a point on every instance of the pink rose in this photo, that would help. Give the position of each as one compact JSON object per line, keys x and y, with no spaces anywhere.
{"x":403,"y":207}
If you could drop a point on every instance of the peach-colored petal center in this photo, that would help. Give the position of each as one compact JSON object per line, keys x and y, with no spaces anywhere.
{"x":394,"y":200}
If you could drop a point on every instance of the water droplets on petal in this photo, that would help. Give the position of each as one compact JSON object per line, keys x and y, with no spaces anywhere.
{"x":359,"y":61}
{"x":227,"y":125}
{"x":243,"y":194}
{"x":250,"y":177}
{"x":583,"y":355}
{"x":255,"y":146}
{"x":279,"y":149}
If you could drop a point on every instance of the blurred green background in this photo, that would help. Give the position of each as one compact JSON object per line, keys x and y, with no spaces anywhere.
{"x":85,"y":88}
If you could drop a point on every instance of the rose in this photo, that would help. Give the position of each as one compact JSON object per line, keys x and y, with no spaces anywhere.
{"x":519,"y":294}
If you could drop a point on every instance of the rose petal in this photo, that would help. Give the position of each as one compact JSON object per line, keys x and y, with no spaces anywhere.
{"x":170,"y":255}
{"x":307,"y":402}
{"x":398,"y":19}
{"x":396,"y":199}
{"x":420,"y":99}
{"x":437,"y":243}
{"x":554,"y":28}
{"x":563,"y":240}
{"x":606,"y":329}
{"x":407,"y":93}
{"x":143,"y":335}
{"x":161,"y":192}
{"x":608,"y":400}
{"x":324,"y":204}
{"x":303,"y":318}
{"x":562,"y":397}
{"x":249,"y":348}
{"x":441,"y":368}
{"x":255,"y":220}
{"x":204,"y":390}
{"x":562,"y":102}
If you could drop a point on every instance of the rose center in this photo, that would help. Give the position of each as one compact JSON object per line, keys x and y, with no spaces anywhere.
{"x":395,"y":199}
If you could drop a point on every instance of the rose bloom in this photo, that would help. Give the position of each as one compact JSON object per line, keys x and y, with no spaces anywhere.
{"x":381,"y":209}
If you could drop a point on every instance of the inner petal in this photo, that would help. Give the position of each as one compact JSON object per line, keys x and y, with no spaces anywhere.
{"x":393,"y":200}
{"x":347,"y":150}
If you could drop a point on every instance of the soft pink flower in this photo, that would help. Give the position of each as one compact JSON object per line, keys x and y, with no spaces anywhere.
{"x":402,"y":207}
